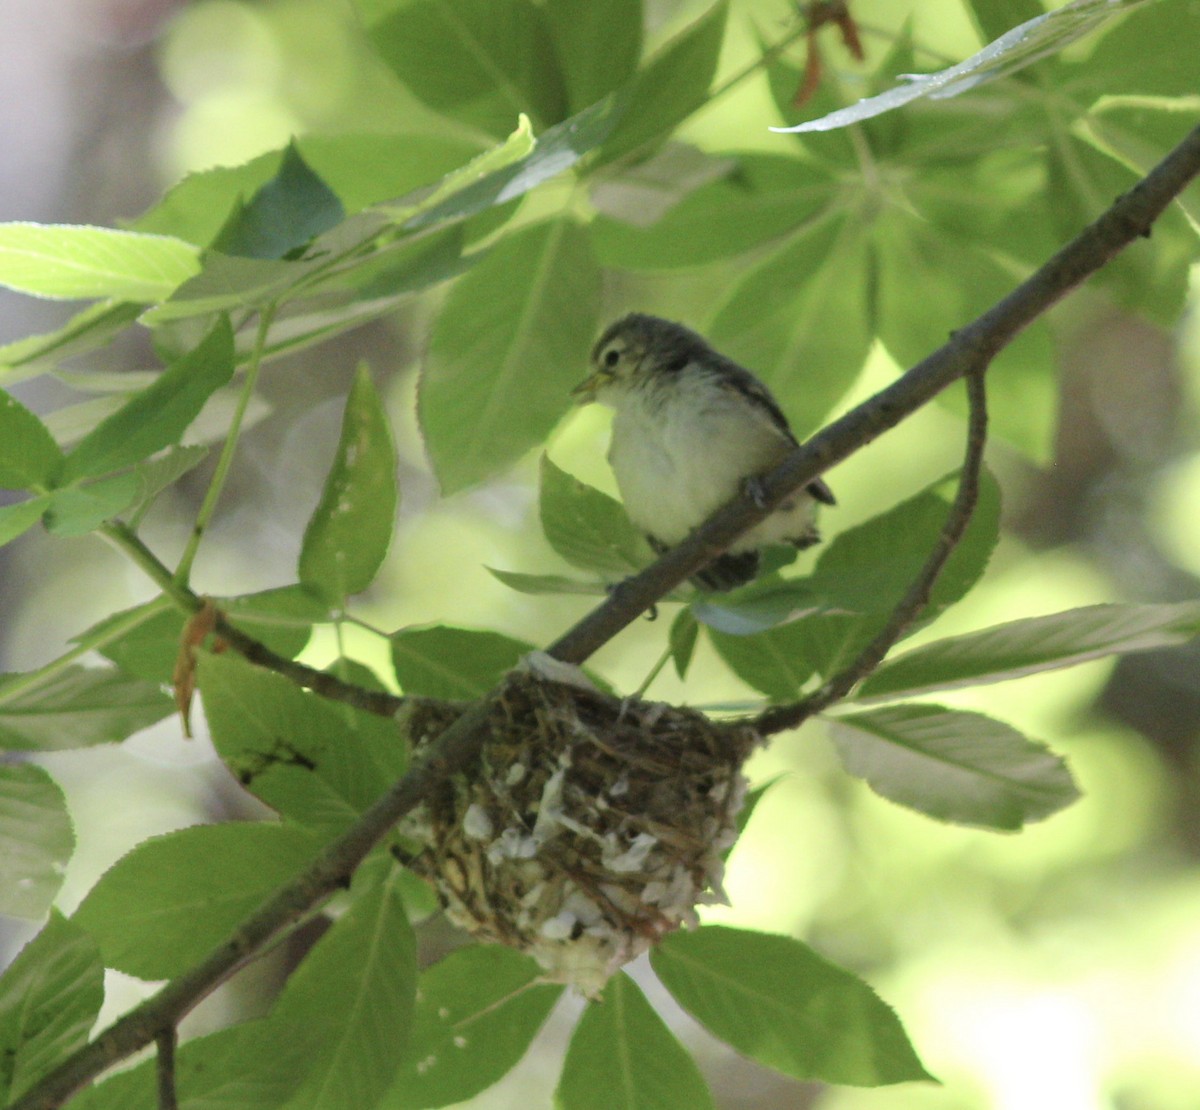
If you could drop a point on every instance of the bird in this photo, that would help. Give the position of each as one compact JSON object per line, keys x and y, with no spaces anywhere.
{"x":691,"y":429}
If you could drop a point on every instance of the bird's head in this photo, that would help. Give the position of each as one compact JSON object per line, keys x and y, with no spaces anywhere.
{"x":633,"y":353}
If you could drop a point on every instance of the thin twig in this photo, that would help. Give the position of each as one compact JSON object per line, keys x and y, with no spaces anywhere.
{"x":165,"y":1069}
{"x":320,"y":682}
{"x":781,"y":717}
{"x":969,"y":350}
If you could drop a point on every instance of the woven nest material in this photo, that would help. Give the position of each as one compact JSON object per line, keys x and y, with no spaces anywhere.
{"x":590,"y":827}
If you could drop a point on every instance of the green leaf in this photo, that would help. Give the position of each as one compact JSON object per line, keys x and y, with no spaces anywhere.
{"x":156,"y":475}
{"x":50,"y":997}
{"x":444,"y":662}
{"x":994,"y":17}
{"x":1165,"y":31}
{"x":851,"y":575}
{"x":352,"y":999}
{"x":477,"y":1012}
{"x":77,"y":510}
{"x":483,"y":62}
{"x":777,"y":662}
{"x":671,"y":85}
{"x":598,"y":45}
{"x":1034,"y":644}
{"x":313,"y":761}
{"x":954,"y":766}
{"x":241,"y":1067}
{"x":540,"y":584}
{"x":507,"y":347}
{"x":36,"y":840}
{"x":88,"y":329}
{"x":959,"y":282}
{"x":482,"y":184}
{"x":753,"y":797}
{"x":29,"y":457}
{"x":287,"y":212}
{"x":623,"y":1056}
{"x":76,"y":708}
{"x":682,"y":640}
{"x":765,"y":196}
{"x":165,"y":904}
{"x":763,"y":604}
{"x":68,"y":262}
{"x":798,"y":319}
{"x":348,"y":534}
{"x":157,"y":416}
{"x":1010,"y":53}
{"x":586,"y":527}
{"x":228,"y":282}
{"x":17,"y":519}
{"x":776,"y":1001}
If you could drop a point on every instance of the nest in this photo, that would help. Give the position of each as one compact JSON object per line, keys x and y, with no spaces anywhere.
{"x":590,"y":827}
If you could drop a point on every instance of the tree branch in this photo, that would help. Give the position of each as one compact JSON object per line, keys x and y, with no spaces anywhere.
{"x":969,"y":350}
{"x":781,"y":717}
{"x":165,"y":1069}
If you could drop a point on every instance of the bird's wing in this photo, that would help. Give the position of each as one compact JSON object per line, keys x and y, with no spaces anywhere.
{"x":748,"y":386}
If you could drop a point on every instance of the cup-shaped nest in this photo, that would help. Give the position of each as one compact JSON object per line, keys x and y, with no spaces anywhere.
{"x":589,"y":828}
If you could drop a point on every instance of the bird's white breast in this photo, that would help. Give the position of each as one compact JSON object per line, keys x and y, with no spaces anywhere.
{"x":680,"y":453}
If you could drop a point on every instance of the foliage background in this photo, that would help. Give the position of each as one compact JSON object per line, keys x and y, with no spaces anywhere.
{"x":1059,"y":968}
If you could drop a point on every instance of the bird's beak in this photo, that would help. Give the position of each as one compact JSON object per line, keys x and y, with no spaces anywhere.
{"x":585,"y":392}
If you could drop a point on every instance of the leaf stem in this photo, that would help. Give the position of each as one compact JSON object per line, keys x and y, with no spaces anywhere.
{"x":654,"y":672}
{"x":209,"y":506}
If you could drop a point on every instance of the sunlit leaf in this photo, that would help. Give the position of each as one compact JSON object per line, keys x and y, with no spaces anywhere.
{"x":50,"y":997}
{"x":76,"y":707}
{"x":36,"y":840}
{"x":1011,"y":52}
{"x":482,"y":184}
{"x":165,"y":904}
{"x":77,"y":510}
{"x":776,"y":1001}
{"x":348,"y":535}
{"x":509,"y":343}
{"x":623,"y":1056}
{"x":477,"y":1011}
{"x":1032,"y":645}
{"x":71,"y":262}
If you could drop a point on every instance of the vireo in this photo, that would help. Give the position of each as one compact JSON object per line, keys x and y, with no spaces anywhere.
{"x":692,"y":427}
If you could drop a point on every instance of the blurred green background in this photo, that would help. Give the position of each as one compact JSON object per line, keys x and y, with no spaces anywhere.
{"x":1055,"y":969}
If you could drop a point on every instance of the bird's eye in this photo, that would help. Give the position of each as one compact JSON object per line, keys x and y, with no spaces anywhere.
{"x":611,"y":357}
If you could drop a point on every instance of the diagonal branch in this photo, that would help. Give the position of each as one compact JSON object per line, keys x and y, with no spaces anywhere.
{"x":909,"y":608}
{"x":968,"y":351}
